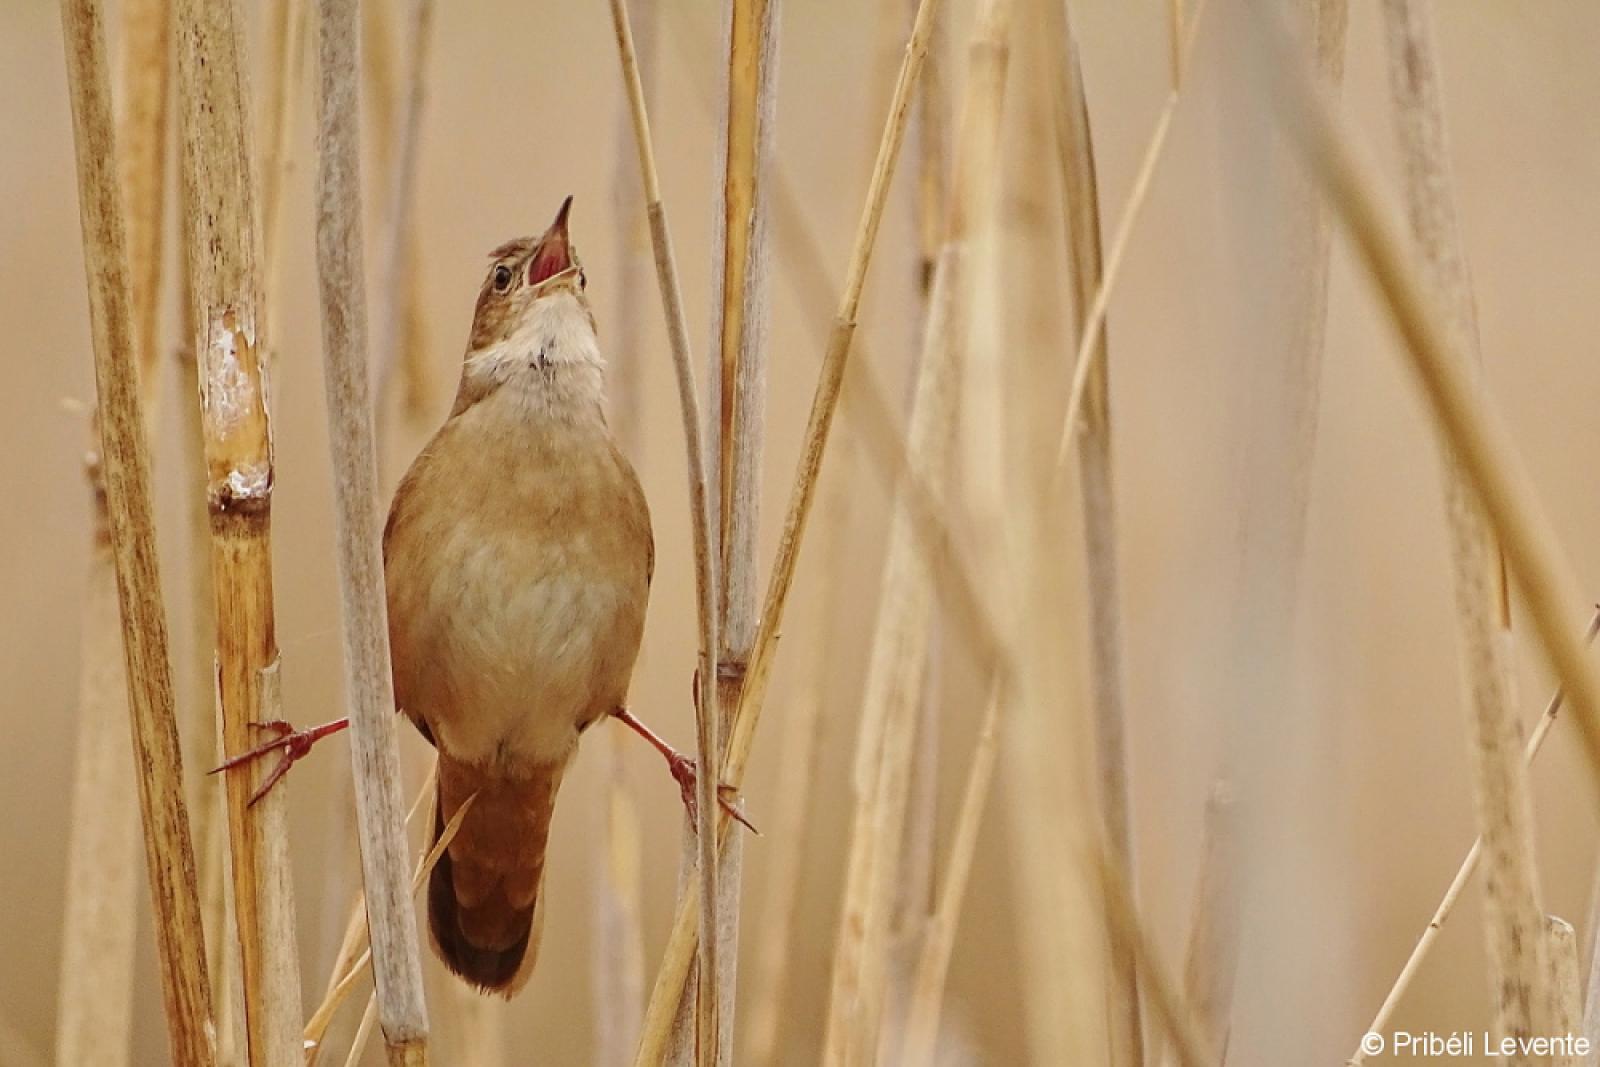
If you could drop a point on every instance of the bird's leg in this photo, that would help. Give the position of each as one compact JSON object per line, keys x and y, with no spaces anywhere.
{"x":294,"y":743}
{"x":683,"y":770}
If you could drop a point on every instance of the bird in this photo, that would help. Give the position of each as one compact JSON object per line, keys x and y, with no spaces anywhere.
{"x":518,"y":556}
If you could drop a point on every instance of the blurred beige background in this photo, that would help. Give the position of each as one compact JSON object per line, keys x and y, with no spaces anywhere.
{"x":522,"y":108}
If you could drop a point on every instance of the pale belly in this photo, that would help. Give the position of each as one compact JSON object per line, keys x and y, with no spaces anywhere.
{"x":515,"y":624}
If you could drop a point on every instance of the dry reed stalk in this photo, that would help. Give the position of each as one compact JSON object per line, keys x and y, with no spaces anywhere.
{"x":680,"y":947}
{"x":1094,"y":321}
{"x":1463,"y":876}
{"x":1566,"y":1007}
{"x":147,"y":669}
{"x":354,"y":941}
{"x":1466,"y":420}
{"x":1591,"y":1000}
{"x":618,"y":974}
{"x":218,"y":198}
{"x":374,"y":746}
{"x":100,"y":903}
{"x":706,"y":733}
{"x":345,"y":981}
{"x":914,"y":891}
{"x":1081,"y":197}
{"x":900,"y":644}
{"x":735,"y":434}
{"x":397,"y":346}
{"x":673,"y":972}
{"x":1514,"y":917}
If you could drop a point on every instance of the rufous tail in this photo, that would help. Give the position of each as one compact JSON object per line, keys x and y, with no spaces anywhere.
{"x":485,"y":914}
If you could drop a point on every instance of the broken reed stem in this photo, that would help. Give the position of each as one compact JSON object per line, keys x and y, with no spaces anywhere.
{"x":218,"y":198}
{"x":94,"y":999}
{"x":1467,"y":422}
{"x":398,"y":306}
{"x":1463,"y":876}
{"x":374,"y":747}
{"x":1081,"y":198}
{"x":1514,"y":916}
{"x":169,"y":854}
{"x":674,"y":970}
{"x":706,"y":733}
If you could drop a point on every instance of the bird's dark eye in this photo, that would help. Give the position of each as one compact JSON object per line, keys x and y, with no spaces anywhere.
{"x":583,"y":280}
{"x":502,"y":278}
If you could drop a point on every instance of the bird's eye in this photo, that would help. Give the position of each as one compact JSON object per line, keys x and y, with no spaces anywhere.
{"x":502,"y":278}
{"x":583,"y":280}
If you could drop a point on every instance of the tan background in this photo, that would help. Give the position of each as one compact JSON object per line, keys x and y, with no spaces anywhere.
{"x":523,"y":108}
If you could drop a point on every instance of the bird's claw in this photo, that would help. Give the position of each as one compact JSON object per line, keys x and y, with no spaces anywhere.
{"x":686,"y":774}
{"x":294,"y":744}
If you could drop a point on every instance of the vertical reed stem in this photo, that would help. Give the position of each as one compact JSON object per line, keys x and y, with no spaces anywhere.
{"x":99,"y":902}
{"x":169,"y":852}
{"x":219,"y":201}
{"x":374,"y":748}
{"x":1514,"y":917}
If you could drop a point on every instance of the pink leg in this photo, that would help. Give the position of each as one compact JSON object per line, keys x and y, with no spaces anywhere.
{"x":682,"y":769}
{"x":295,"y":744}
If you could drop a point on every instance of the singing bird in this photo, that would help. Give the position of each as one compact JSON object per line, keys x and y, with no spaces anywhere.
{"x":518,"y":557}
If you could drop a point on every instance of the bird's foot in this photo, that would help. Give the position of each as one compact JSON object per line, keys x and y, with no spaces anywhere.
{"x":685,"y":773}
{"x":293,"y":743}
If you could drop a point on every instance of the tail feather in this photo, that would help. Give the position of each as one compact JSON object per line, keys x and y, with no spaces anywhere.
{"x":485,"y":909}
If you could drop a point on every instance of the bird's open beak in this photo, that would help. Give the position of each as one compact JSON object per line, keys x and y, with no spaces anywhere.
{"x":555,"y":249}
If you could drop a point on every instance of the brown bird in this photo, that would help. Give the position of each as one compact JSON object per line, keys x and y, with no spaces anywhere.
{"x":518,"y":558}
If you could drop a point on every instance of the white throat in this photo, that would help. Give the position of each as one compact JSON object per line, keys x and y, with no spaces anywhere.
{"x":551,"y":363}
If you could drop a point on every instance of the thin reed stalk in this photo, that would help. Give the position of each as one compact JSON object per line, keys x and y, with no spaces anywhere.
{"x":169,"y":854}
{"x":1080,"y":194}
{"x":734,"y":437}
{"x":360,"y":954}
{"x":100,"y":903}
{"x":398,"y":308}
{"x":1464,"y":874}
{"x":374,"y":746}
{"x":673,"y":973}
{"x":1514,"y":917}
{"x":705,"y":572}
{"x":1094,"y":321}
{"x":618,"y":973}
